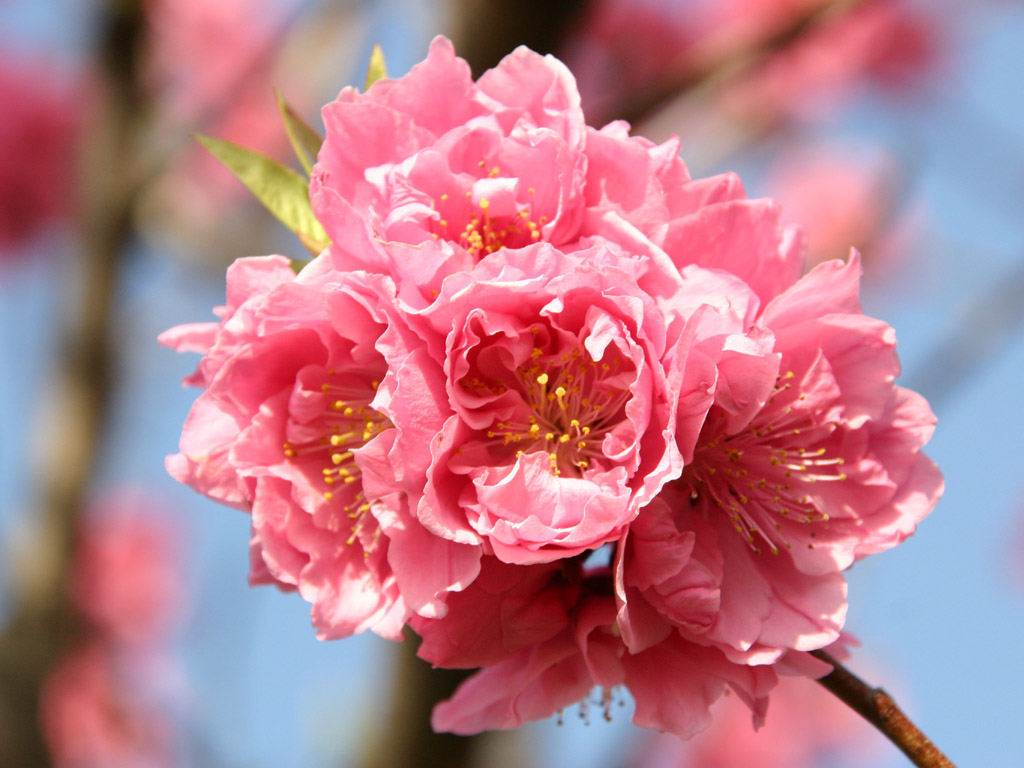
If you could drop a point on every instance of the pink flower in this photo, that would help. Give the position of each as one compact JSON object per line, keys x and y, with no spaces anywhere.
{"x":38,"y":132}
{"x":477,"y":168}
{"x":532,"y":340}
{"x":554,"y":412}
{"x":549,"y":653}
{"x":640,"y":196}
{"x":434,"y":156}
{"x":93,"y":717}
{"x":115,"y":540}
{"x":291,"y":376}
{"x":809,"y":458}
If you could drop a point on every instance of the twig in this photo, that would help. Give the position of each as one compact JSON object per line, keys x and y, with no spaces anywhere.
{"x":878,"y":708}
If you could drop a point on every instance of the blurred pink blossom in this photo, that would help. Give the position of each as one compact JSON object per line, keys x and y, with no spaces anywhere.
{"x":103,"y":706}
{"x":204,"y":53}
{"x":215,"y":65}
{"x":93,"y":714}
{"x":804,"y":725}
{"x":842,"y":197}
{"x":626,"y":48}
{"x":39,"y":128}
{"x":126,"y":577}
{"x":885,"y":42}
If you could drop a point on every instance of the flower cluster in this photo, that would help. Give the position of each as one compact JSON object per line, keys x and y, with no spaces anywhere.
{"x":573,"y":416}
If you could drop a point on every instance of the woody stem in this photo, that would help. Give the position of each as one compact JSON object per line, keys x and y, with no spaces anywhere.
{"x":878,"y":708}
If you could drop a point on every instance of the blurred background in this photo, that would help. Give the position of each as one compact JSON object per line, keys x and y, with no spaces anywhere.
{"x":128,"y":634}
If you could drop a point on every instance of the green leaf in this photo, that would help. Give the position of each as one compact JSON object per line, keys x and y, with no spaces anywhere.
{"x":315,"y":247}
{"x":377,"y":68}
{"x":305,"y":140}
{"x":283,"y":191}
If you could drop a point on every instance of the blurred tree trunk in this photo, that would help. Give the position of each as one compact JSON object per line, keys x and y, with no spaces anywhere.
{"x":406,"y":738}
{"x":41,"y":625}
{"x":485,"y":30}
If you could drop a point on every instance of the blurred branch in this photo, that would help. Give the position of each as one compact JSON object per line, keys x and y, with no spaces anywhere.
{"x":41,"y":626}
{"x":991,"y":321}
{"x":878,"y":708}
{"x":705,"y":69}
{"x":406,"y":739}
{"x":487,"y":30}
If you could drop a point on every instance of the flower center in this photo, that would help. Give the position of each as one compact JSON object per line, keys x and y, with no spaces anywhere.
{"x":323,"y":446}
{"x":571,"y":403}
{"x":764,"y":478}
{"x":481,"y":229}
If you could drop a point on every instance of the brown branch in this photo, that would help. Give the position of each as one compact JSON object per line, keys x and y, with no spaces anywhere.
{"x":878,"y":708}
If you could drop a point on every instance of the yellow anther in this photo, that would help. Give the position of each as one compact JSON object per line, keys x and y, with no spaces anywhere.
{"x":328,"y":496}
{"x":444,"y":196}
{"x":564,"y":439}
{"x":542,"y":379}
